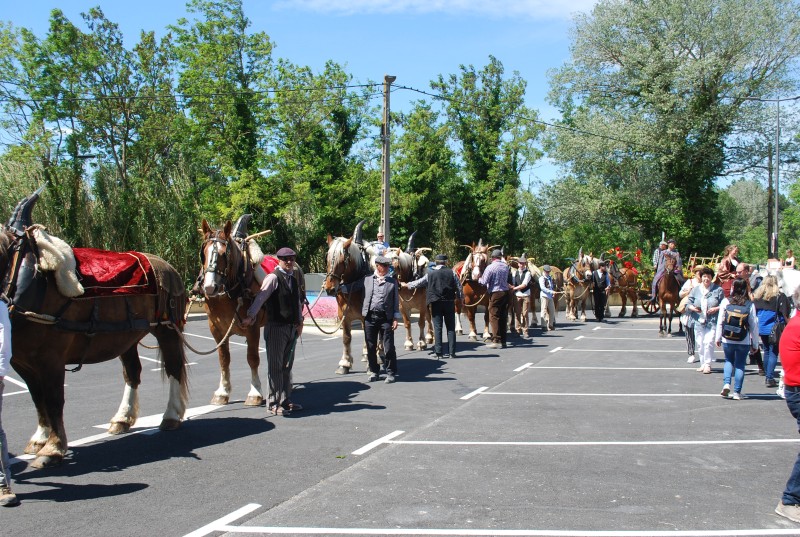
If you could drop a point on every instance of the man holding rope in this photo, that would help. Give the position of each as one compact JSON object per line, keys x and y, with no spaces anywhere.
{"x":284,"y":301}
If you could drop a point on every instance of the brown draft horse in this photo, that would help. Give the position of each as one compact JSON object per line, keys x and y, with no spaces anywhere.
{"x":229,"y":284}
{"x":50,"y":330}
{"x":668,"y":294}
{"x":347,"y":264}
{"x":409,"y":266}
{"x":475,"y":294}
{"x":623,"y":281}
{"x":578,"y":285}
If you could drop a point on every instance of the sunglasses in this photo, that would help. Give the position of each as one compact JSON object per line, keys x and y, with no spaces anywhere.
{"x":287,"y":259}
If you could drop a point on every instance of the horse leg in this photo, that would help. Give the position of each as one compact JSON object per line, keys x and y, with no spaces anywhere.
{"x":459,"y":328}
{"x":534,"y":312}
{"x":583,"y":308}
{"x":39,"y":437}
{"x":473,"y":334}
{"x":429,"y":323}
{"x":487,"y":335}
{"x":255,"y":396}
{"x":173,"y":359}
{"x":633,"y":305}
{"x":128,"y":409}
{"x":52,"y":392}
{"x":405,"y":311}
{"x":346,"y":361}
{"x":223,"y":393}
{"x":423,"y":316}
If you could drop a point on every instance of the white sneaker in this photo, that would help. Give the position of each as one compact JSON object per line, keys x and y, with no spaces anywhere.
{"x":737,"y":396}
{"x":725,"y":390}
{"x":691,"y":359}
{"x":700,"y":369}
{"x":792,"y":512}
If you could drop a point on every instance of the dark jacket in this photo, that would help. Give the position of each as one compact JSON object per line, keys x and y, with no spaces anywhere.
{"x":392,"y":301}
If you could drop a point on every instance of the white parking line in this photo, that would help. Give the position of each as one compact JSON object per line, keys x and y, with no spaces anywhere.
{"x":19,"y":383}
{"x":682,"y":351}
{"x":378,"y":442}
{"x":598,"y":443}
{"x":653,"y":339}
{"x":579,"y":337}
{"x":231,"y":342}
{"x":556,"y":349}
{"x":586,"y":394}
{"x":523,"y":367}
{"x":221,"y":523}
{"x":470,"y":395}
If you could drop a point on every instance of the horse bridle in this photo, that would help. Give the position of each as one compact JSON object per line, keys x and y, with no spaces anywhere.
{"x":212,"y":266}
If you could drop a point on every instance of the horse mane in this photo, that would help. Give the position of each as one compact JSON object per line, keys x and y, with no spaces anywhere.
{"x":56,"y":256}
{"x":336,"y":248}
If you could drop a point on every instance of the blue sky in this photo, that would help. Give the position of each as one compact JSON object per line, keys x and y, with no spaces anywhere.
{"x":414,"y":40}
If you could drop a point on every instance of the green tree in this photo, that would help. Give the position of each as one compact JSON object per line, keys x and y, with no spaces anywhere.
{"x":496,"y":133}
{"x":655,"y":89}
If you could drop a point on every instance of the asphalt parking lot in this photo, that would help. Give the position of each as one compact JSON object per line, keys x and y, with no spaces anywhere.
{"x":595,"y":429}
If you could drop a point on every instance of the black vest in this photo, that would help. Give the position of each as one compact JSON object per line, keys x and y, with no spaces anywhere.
{"x":283,"y":306}
{"x":441,"y":285}
{"x":600,"y":281}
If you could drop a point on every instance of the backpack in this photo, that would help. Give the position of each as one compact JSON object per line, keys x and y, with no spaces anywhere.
{"x":735,"y":322}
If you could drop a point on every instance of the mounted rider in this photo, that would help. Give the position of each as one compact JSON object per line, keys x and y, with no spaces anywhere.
{"x":661,"y":269}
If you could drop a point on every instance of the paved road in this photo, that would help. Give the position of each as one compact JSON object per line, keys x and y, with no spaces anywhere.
{"x":595,"y":429}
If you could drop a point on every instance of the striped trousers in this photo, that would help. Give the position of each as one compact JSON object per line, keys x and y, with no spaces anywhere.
{"x":280,"y":342}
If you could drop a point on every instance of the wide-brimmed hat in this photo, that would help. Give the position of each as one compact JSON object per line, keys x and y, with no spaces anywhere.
{"x":496,"y":254}
{"x":381,"y":260}
{"x":285,"y":252}
{"x":546,"y":268}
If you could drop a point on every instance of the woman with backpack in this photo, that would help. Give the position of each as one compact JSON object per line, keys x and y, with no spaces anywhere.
{"x":703,"y":306}
{"x":772,"y":306}
{"x":737,"y":334}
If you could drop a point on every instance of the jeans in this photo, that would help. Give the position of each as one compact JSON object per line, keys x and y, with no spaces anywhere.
{"x":770,"y":357}
{"x":791,"y":496}
{"x":444,"y":310}
{"x":735,"y":358}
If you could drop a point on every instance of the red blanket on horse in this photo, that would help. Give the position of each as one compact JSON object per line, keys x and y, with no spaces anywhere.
{"x":104,"y":273}
{"x":269,"y":263}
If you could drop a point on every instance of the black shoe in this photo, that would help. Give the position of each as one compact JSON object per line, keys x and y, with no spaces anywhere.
{"x":772,"y":383}
{"x":503,"y":346}
{"x":439,"y":357}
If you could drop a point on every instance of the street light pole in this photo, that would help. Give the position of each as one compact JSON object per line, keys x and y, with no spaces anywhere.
{"x":774,"y":241}
{"x":387,"y":83}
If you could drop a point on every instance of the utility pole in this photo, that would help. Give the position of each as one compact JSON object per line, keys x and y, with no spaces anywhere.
{"x":774,"y":241}
{"x":771,"y":247}
{"x":387,"y":83}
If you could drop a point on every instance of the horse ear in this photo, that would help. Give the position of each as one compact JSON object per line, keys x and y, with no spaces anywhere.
{"x":204,"y":227}
{"x":346,"y":244}
{"x":227,"y":230}
{"x":330,"y":239}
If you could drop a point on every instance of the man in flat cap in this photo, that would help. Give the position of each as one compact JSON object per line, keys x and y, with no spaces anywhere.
{"x":443,"y":289}
{"x":283,"y":292}
{"x":495,"y":279}
{"x":381,"y":312}
{"x":521,"y":296}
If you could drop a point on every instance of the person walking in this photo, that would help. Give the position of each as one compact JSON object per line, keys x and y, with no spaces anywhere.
{"x":789,"y":349}
{"x":736,"y":333}
{"x":381,"y":311}
{"x":522,"y":296}
{"x":686,"y":317}
{"x":704,"y":305}
{"x":282,"y":292}
{"x":443,"y":289}
{"x":546,"y":297}
{"x":495,"y":279}
{"x":772,"y":306}
{"x":601,"y":286}
{"x":7,"y":498}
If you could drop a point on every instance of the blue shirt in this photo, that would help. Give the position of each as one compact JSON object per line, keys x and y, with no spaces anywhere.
{"x":495,"y":277}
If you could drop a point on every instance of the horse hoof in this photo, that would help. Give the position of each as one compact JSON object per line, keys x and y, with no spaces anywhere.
{"x":220,"y":400}
{"x":408,"y":345}
{"x":169,"y":425}
{"x":460,"y":332}
{"x":119,"y":427}
{"x":421,"y":346}
{"x":47,"y":461}
{"x":473,"y":338}
{"x":254,"y":400}
{"x":342,"y":370}
{"x":33,"y":448}
{"x":364,"y":358}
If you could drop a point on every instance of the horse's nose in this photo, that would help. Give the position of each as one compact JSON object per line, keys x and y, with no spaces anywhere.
{"x":210,"y":290}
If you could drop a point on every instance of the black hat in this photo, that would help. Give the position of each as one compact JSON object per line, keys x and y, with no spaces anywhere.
{"x":285,"y":252}
{"x":441,"y":257}
{"x":381,"y":260}
{"x":496,"y":254}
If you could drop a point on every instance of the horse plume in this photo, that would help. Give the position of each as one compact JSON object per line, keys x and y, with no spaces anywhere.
{"x":21,"y":217}
{"x":358,"y":234}
{"x":410,"y":246}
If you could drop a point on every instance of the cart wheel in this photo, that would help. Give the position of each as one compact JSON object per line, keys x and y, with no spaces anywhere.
{"x":650,"y":307}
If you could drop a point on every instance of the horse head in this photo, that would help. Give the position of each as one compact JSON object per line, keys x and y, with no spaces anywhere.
{"x":221,"y":258}
{"x":345,"y":263}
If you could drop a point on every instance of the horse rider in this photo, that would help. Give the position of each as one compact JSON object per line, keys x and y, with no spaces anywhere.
{"x":546,"y":296}
{"x":280,"y":290}
{"x":380,"y":245}
{"x":662,"y":264}
{"x":443,"y":288}
{"x":495,"y":279}
{"x":657,"y":254}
